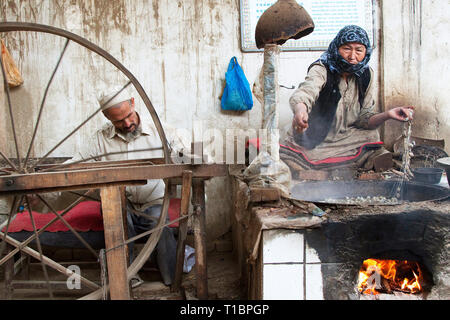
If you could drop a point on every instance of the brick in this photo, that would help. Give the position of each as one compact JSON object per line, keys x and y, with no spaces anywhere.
{"x":371,"y":176}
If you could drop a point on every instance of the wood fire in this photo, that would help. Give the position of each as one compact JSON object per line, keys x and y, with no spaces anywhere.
{"x":384,"y":276}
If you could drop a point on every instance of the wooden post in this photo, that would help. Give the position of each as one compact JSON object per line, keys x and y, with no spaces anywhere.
{"x":123,"y":201}
{"x":9,"y":274}
{"x":182,"y":229}
{"x":199,"y":224}
{"x":114,"y":236}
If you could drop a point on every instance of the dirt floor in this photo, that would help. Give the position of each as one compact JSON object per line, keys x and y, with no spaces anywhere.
{"x":223,"y":280}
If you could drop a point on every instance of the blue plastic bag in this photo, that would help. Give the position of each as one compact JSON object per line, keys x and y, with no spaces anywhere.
{"x":237,"y":95}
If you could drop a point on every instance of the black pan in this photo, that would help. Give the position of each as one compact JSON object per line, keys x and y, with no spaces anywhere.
{"x":347,"y":192}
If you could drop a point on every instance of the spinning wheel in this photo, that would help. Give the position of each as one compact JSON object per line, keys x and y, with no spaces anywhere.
{"x":20,"y":175}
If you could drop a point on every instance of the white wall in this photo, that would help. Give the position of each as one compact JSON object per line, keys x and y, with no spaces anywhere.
{"x":416,"y":69}
{"x":178,"y":50}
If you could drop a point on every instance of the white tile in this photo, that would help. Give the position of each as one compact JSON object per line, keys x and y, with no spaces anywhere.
{"x":280,"y":245}
{"x":311,"y":255}
{"x":314,"y":284}
{"x":283,"y":282}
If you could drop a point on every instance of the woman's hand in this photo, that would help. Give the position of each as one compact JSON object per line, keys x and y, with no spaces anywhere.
{"x":300,"y":121}
{"x":404,"y":113}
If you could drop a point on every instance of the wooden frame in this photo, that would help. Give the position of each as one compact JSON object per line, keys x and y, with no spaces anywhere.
{"x":109,"y":179}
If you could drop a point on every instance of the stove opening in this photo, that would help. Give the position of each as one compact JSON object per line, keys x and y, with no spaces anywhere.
{"x":386,"y":276}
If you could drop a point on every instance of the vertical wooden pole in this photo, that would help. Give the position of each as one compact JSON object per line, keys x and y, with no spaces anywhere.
{"x":9,"y":274}
{"x":123,"y":201}
{"x":182,"y":229}
{"x":199,"y":224}
{"x":115,"y":236}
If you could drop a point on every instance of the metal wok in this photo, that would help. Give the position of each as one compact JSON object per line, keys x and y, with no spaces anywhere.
{"x":367,"y":192}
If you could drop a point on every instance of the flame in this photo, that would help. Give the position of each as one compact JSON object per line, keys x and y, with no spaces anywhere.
{"x":388,"y":275}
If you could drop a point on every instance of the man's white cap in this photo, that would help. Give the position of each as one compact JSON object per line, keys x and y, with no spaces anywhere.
{"x":107,"y":99}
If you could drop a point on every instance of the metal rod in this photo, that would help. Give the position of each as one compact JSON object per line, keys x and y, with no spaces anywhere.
{"x":69,"y":226}
{"x":78,"y":127}
{"x":5,"y":83}
{"x":43,"y":102}
{"x":38,"y":242}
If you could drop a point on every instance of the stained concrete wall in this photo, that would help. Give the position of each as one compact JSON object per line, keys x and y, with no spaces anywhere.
{"x":415,"y":67}
{"x":178,"y":50}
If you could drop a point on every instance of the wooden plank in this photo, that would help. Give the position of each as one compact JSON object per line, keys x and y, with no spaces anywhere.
{"x":199,"y":224}
{"x":182,"y":229}
{"x":98,"y":164}
{"x":39,"y":284}
{"x":264,"y":194}
{"x":74,"y":188}
{"x":123,"y":201}
{"x":116,"y":257}
{"x":21,"y":182}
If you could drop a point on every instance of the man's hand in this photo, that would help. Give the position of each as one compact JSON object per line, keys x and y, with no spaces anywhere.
{"x":300,"y":121}
{"x":404,"y":113}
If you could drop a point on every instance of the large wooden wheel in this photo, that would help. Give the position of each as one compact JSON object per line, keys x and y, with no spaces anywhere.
{"x":20,"y":166}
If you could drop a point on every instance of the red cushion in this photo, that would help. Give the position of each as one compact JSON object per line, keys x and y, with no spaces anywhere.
{"x":174,"y":211}
{"x":85,"y":216}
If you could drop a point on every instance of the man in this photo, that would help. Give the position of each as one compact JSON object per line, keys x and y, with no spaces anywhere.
{"x":118,"y":140}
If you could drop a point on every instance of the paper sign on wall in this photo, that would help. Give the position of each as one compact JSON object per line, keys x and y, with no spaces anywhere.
{"x":329,"y":17}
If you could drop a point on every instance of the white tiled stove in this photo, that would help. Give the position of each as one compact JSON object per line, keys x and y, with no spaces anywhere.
{"x":291,"y":269}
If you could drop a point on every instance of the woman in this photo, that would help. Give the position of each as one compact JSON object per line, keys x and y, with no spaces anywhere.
{"x":334,"y":117}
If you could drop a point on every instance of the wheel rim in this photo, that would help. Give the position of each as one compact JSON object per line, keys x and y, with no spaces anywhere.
{"x":154,"y":237}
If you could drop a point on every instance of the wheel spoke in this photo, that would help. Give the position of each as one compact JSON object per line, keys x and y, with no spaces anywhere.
{"x":13,"y":211}
{"x":84,"y":196}
{"x":8,"y":96}
{"x":41,"y":230}
{"x":38,"y":243}
{"x":43,"y":102}
{"x":78,"y":127}
{"x":69,"y":226}
{"x":9,"y":161}
{"x":28,"y":165}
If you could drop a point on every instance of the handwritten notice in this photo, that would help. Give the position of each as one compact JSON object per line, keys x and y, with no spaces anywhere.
{"x":329,"y":17}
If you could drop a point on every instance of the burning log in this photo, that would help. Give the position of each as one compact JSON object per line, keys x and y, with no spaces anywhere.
{"x":377,"y":276}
